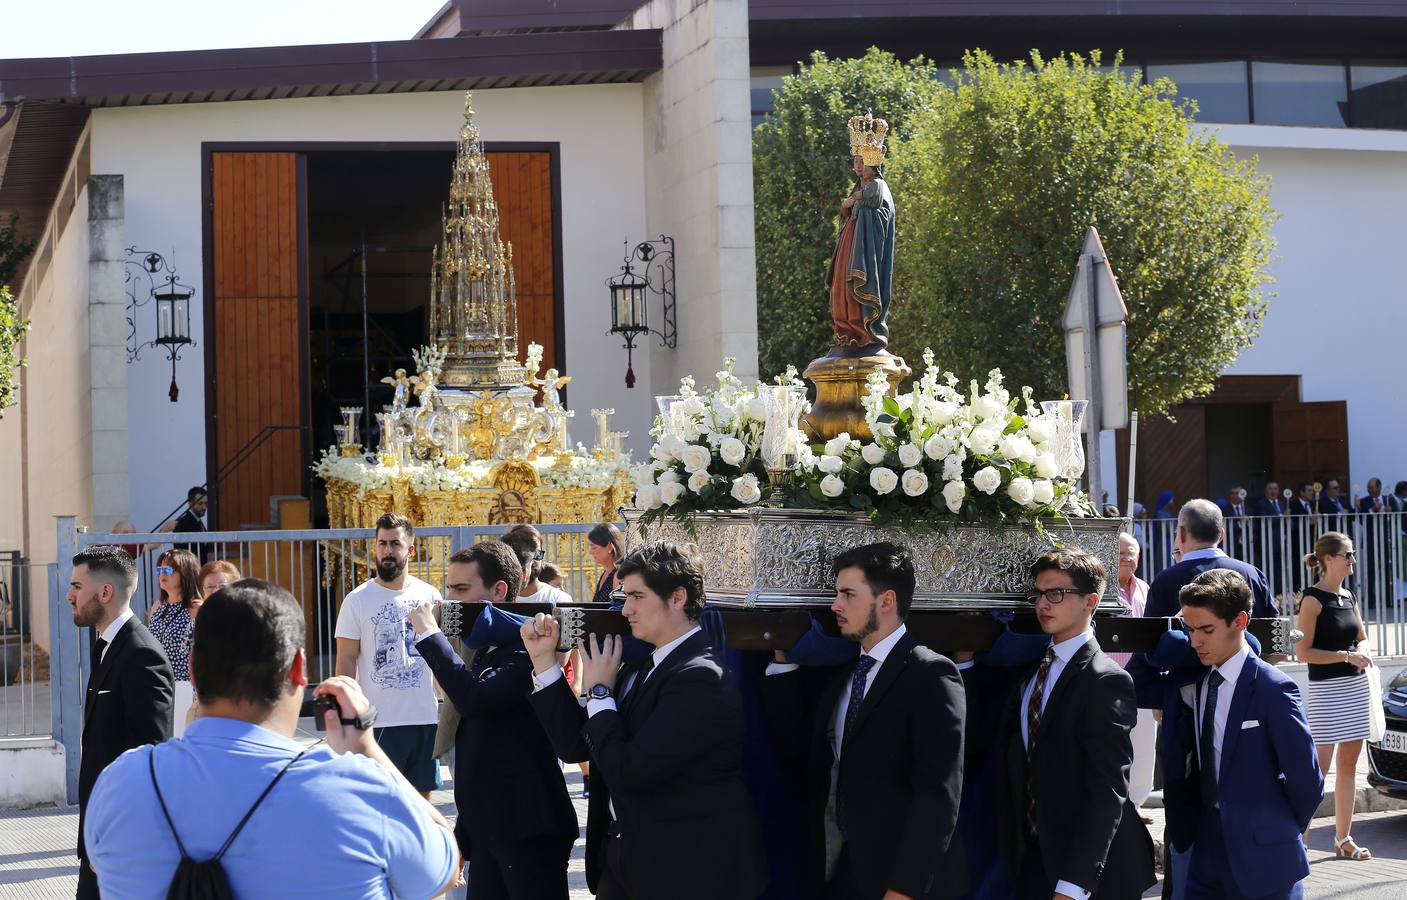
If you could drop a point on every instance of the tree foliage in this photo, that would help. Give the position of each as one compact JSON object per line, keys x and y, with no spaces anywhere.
{"x":12,"y":328}
{"x":996,"y":176}
{"x":801,"y":174}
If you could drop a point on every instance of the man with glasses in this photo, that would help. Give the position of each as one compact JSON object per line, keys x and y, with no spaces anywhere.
{"x":1241,"y":781}
{"x":1068,"y":828}
{"x":1331,"y":504}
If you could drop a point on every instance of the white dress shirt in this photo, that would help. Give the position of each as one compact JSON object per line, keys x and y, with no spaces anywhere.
{"x":1204,"y":553}
{"x":1231,"y":671}
{"x":594,"y":706}
{"x":111,"y":631}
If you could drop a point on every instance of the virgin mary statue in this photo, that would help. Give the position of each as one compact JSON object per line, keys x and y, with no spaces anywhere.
{"x":862,"y":268}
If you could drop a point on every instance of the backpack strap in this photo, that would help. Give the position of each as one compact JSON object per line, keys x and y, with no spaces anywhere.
{"x":151,"y":763}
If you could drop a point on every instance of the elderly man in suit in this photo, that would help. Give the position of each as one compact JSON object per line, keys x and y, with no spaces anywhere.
{"x":669,"y":815}
{"x":1068,"y":828}
{"x":1241,"y":779}
{"x":516,"y":824}
{"x":1200,"y":528}
{"x":130,"y":688}
{"x":883,"y":808}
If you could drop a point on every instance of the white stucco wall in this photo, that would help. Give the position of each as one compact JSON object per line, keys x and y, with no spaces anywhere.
{"x":158,"y":151}
{"x":1341,"y":279}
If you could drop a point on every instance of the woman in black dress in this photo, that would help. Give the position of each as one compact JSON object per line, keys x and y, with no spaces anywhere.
{"x":607,"y":546}
{"x":1335,"y":649}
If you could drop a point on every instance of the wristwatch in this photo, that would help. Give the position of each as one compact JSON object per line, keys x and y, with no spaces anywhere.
{"x":598,"y":692}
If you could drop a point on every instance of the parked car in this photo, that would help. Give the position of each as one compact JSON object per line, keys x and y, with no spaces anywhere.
{"x":1387,"y":759}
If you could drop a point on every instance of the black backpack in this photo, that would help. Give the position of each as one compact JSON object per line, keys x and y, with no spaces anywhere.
{"x":205,"y":880}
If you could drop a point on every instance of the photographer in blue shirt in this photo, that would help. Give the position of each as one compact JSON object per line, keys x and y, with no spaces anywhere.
{"x":336,"y":820}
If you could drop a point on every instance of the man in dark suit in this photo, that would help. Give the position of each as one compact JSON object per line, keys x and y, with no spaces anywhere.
{"x":1241,"y":779}
{"x":1068,"y":828}
{"x":1270,"y":503}
{"x":1200,"y":528}
{"x":1234,"y":506}
{"x":1375,"y":501}
{"x":1331,"y":503}
{"x":882,"y":749}
{"x":130,"y":687}
{"x":1304,"y":503}
{"x":669,"y":815}
{"x":516,"y":825}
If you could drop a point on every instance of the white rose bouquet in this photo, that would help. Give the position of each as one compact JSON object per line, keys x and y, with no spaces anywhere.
{"x":941,"y":456}
{"x":708,"y":452}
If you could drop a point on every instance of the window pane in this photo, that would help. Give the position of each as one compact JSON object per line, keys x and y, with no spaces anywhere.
{"x":1218,"y":87}
{"x":762,"y":88}
{"x":1288,"y":93}
{"x":1379,"y":95}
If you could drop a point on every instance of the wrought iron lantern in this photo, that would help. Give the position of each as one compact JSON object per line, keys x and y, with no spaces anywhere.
{"x":172,"y":301}
{"x":630,"y":292}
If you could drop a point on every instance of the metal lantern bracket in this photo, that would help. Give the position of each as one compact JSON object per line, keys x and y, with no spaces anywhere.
{"x":151,"y":279}
{"x":630,"y":291}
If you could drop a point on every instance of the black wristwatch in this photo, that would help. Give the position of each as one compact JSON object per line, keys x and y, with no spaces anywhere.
{"x":598,"y":692}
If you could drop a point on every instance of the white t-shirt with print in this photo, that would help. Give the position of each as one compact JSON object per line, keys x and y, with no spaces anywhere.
{"x":391,"y":673}
{"x":546,"y":593}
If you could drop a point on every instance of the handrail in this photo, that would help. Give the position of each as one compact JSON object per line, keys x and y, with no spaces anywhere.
{"x":236,"y":459}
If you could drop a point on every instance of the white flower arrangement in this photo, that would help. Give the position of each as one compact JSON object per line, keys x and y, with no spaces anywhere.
{"x":939,"y":455}
{"x":429,"y":358}
{"x":585,"y":471}
{"x":711,"y":445}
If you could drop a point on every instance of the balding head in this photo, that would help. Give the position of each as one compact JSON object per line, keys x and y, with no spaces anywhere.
{"x":1200,"y":523}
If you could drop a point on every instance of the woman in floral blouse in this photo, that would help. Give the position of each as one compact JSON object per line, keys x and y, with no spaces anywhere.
{"x":170,"y":619}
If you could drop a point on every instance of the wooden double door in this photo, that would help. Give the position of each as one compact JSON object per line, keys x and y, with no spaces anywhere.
{"x":257,"y":347}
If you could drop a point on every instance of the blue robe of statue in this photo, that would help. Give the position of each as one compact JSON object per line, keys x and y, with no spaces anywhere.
{"x":862,"y":270}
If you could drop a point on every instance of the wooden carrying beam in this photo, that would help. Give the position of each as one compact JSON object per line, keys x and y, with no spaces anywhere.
{"x":780,"y":629}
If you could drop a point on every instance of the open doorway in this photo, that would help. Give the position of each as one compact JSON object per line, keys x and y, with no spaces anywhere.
{"x":373,"y":219}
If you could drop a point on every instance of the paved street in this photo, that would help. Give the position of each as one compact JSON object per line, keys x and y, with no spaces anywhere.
{"x":36,"y":853}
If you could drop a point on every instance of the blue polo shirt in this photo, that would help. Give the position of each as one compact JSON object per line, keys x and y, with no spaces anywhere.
{"x":334,"y":826}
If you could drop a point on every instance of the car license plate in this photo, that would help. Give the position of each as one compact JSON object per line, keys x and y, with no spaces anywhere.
{"x":1394,"y":740}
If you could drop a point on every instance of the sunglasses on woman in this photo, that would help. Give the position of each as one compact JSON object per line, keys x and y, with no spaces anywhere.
{"x":165,"y":570}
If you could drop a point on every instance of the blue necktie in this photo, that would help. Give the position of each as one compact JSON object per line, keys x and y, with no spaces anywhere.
{"x":1208,"y":742}
{"x":857,"y":694}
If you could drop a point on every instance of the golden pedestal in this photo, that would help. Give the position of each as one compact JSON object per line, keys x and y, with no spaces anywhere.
{"x":840,"y":386}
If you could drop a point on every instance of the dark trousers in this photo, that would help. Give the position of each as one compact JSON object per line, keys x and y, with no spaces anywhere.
{"x":1209,"y":872}
{"x":1032,"y":883}
{"x":613,"y":885}
{"x":529,"y":870}
{"x":87,"y":882}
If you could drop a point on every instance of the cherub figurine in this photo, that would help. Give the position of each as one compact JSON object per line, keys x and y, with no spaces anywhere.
{"x":403,"y":388}
{"x":424,"y":387}
{"x":551,"y":385}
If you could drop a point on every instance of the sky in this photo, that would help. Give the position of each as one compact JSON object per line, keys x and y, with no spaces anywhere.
{"x":41,"y":28}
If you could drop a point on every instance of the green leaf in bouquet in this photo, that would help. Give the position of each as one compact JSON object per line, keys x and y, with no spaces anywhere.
{"x":1016,"y":424}
{"x":891,"y":406}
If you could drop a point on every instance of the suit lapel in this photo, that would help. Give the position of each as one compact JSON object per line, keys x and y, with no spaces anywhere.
{"x":1057,"y":692}
{"x":638,"y":692}
{"x":1245,"y":685}
{"x":103,"y":668}
{"x":886,"y":676}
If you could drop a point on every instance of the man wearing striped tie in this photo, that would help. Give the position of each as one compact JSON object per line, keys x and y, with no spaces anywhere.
{"x":1067,"y":826}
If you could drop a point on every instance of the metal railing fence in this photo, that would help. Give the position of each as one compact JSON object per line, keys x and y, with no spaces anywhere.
{"x":24,"y":664}
{"x":1277,"y":546}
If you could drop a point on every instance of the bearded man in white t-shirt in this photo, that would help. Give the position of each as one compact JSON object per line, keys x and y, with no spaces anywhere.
{"x":376,"y":646}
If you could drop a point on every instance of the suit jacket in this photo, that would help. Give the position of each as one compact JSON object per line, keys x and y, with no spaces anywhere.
{"x":508,"y":786}
{"x":1262,"y":506}
{"x":1300,"y":507}
{"x":1228,"y":511}
{"x":1390,"y":503}
{"x":1269,"y":783}
{"x":128,"y":704}
{"x":672,"y":764}
{"x":1162,"y":593}
{"x":900,"y":775}
{"x":1089,"y":831}
{"x":1330,"y":507}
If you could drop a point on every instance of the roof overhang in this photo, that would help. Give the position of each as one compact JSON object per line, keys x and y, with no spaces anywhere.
{"x":54,"y":96}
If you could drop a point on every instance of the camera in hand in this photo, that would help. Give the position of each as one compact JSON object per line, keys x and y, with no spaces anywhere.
{"x":319,"y":706}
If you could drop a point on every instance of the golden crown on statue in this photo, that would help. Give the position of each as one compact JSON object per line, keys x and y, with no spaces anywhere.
{"x":867,"y":136}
